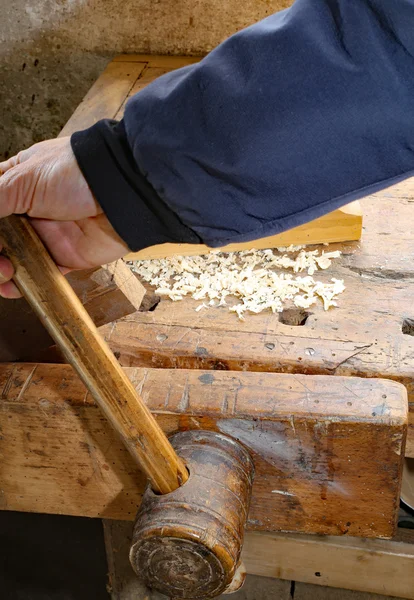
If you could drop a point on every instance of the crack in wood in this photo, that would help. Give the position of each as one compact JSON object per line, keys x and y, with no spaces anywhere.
{"x":359,"y":351}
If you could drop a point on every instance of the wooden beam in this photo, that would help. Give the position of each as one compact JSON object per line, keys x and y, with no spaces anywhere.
{"x":108,"y":293}
{"x":337,"y":226}
{"x":323,"y":446}
{"x":377,"y":566}
{"x":105,"y":96}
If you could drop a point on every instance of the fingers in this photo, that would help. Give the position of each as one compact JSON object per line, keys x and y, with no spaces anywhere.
{"x":8,"y":164}
{"x":7,"y":288}
{"x":6,"y":270}
{"x":10,"y":291}
{"x":17,"y":187}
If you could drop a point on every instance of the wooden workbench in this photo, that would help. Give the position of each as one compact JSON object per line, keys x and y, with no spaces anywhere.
{"x":369,"y":335}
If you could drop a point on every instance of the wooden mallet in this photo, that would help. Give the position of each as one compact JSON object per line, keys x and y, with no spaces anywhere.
{"x":189,"y":528}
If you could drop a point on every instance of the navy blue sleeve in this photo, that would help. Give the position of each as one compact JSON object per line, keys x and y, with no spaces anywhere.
{"x":285,"y":121}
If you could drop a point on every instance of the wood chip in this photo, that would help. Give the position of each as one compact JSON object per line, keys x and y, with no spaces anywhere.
{"x":259,"y":279}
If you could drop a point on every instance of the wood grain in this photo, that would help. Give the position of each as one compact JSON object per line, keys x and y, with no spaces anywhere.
{"x":105,"y":96}
{"x":323,"y":447}
{"x":108,"y":293}
{"x":149,"y":75}
{"x":68,"y":323}
{"x":162,"y":61}
{"x":378,"y":566}
{"x":363,"y":336}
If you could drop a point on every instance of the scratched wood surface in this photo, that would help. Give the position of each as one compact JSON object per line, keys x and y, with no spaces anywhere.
{"x":369,"y":334}
{"x":323,"y":447}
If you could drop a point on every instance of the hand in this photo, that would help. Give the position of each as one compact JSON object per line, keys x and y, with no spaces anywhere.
{"x":46,"y":183}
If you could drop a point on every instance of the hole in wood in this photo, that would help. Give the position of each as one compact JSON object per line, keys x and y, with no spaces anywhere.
{"x":408,"y":327}
{"x":149,"y":302}
{"x":156,"y":493}
{"x":294,"y":316}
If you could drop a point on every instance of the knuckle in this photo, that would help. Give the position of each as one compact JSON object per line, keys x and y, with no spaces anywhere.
{"x":12,"y":195}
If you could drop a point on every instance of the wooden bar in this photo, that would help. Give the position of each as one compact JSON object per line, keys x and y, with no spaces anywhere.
{"x":105,"y":96}
{"x":377,"y":566}
{"x":342,"y":224}
{"x":323,"y":447}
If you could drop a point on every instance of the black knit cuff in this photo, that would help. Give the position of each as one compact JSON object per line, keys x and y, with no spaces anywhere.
{"x":133,"y":207}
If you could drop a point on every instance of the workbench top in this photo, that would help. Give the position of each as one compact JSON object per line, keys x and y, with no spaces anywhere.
{"x":369,"y":334}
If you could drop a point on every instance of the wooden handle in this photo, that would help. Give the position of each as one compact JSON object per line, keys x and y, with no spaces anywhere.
{"x":63,"y":315}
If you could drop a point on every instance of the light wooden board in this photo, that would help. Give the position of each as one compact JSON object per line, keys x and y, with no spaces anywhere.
{"x":342,"y":224}
{"x":323,"y":447}
{"x":376,"y":566}
{"x":383,"y":567}
{"x":108,"y":293}
{"x":105,"y":96}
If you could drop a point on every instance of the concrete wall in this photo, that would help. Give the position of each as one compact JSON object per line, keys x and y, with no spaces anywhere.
{"x":52,"y":50}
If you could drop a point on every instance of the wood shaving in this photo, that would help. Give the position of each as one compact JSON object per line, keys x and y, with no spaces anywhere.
{"x":259,"y":279}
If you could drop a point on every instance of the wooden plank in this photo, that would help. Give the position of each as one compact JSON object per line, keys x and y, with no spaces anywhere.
{"x":108,"y":293}
{"x":307,"y":591}
{"x":162,"y":61}
{"x":149,"y":75}
{"x":323,"y":447}
{"x":377,"y":566}
{"x":105,"y":97}
{"x":339,"y":225}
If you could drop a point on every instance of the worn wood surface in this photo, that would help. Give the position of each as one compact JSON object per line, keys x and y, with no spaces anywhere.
{"x":105,"y":96}
{"x":383,"y":567}
{"x":63,"y":315}
{"x":369,"y":334}
{"x":323,"y":447}
{"x":124,"y":585}
{"x":108,"y":293}
{"x":200,"y":526}
{"x":377,"y":566}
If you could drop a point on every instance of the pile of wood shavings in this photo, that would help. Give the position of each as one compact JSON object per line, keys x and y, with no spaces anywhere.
{"x":258,"y":278}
